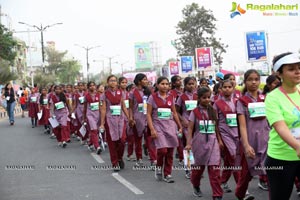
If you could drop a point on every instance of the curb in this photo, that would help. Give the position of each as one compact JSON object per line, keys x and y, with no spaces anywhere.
{"x":3,"y":114}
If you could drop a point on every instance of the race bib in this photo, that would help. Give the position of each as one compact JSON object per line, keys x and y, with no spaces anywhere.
{"x":141,"y":107}
{"x":45,"y":101}
{"x":164,"y":113}
{"x":115,"y":110}
{"x":126,"y":103}
{"x":7,"y":98}
{"x":94,"y":106}
{"x":257,"y":109}
{"x":59,"y":105}
{"x":231,"y":120}
{"x":81,"y":100}
{"x":296,"y":133}
{"x":190,"y":105}
{"x":206,"y":128}
{"x":33,"y":99}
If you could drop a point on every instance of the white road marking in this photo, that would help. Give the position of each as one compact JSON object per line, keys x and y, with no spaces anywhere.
{"x":97,"y":158}
{"x":127,"y":184}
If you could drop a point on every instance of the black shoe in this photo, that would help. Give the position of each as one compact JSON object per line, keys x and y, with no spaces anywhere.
{"x":69,"y":141}
{"x":121,"y":164}
{"x":64,"y":144}
{"x":197,"y":192}
{"x":145,"y":150}
{"x":116,"y":168}
{"x":11,"y":123}
{"x":32,"y":126}
{"x":99,"y":150}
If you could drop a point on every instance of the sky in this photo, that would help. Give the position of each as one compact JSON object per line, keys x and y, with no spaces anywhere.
{"x":116,"y":25}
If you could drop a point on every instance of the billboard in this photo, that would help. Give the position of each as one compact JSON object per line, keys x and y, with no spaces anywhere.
{"x":143,"y":55}
{"x":204,"y":58}
{"x":256,"y":46}
{"x":174,"y":67}
{"x":187,"y":63}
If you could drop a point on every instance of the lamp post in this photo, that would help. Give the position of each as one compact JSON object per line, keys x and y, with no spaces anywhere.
{"x":87,"y":49}
{"x":122,"y":66}
{"x":41,"y":28}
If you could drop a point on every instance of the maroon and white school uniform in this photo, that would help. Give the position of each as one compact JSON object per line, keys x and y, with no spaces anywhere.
{"x":258,"y":135}
{"x":166,"y":130}
{"x":206,"y":150}
{"x":228,"y":127}
{"x":115,"y":127}
{"x":93,"y":117}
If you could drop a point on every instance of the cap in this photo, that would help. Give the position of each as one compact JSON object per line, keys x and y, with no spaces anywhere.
{"x":288,"y":59}
{"x":220,"y":75}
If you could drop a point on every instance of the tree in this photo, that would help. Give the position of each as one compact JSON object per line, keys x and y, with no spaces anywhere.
{"x":5,"y":74}
{"x":197,"y":29}
{"x":68,"y":71}
{"x":7,"y":55}
{"x":54,"y":59}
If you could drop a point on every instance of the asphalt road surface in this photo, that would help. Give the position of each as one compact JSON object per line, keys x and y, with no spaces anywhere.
{"x":33,"y":167}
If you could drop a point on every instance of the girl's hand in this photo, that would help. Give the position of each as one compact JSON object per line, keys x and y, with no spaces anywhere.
{"x":153,"y":134}
{"x":221,"y":144}
{"x":249,"y":152}
{"x":131,"y":123}
{"x":188,"y":147}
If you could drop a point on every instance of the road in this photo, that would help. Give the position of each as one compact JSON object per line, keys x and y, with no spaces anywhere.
{"x":33,"y":167}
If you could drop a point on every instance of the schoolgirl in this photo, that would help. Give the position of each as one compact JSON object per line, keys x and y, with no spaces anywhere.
{"x":161,"y":118}
{"x":137,"y":113}
{"x":236,"y":93}
{"x":91,"y":115}
{"x":205,"y":142}
{"x":33,"y":107}
{"x":254,"y":131}
{"x":78,"y":107}
{"x":184,"y":105}
{"x":225,"y":107}
{"x":61,"y":113}
{"x":113,"y":120}
{"x":43,"y":104}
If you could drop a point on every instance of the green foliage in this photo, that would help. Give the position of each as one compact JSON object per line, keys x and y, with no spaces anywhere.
{"x":68,"y":71}
{"x":59,"y":69}
{"x":197,"y":29}
{"x":55,"y":59}
{"x":7,"y":45}
{"x":5,"y":74}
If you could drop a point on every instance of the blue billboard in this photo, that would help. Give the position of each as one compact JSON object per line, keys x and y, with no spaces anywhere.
{"x":256,"y":46}
{"x":187,"y":64}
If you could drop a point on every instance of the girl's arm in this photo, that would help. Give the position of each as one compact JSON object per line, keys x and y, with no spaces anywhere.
{"x":84,"y":111}
{"x":131,"y":120}
{"x":103,"y":113}
{"x":249,"y":151}
{"x":150,"y":122}
{"x":190,"y":135}
{"x":221,"y":144}
{"x":176,"y":118}
{"x":124,"y":109}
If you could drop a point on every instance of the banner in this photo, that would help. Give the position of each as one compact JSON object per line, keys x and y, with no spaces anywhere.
{"x":143,"y":55}
{"x":151,"y":76}
{"x":174,"y":67}
{"x":203,"y":57}
{"x":256,"y":46}
{"x":187,"y":63}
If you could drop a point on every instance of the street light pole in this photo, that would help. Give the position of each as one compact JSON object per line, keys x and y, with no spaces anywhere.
{"x":41,"y":29}
{"x":87,"y":49}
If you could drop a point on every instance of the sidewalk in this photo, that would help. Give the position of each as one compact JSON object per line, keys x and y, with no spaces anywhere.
{"x":3,"y":113}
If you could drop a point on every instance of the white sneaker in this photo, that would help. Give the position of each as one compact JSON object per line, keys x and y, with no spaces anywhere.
{"x":99,"y":150}
{"x":91,"y":147}
{"x":64,"y":144}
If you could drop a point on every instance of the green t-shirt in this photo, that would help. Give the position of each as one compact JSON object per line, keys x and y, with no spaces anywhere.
{"x":279,"y":108}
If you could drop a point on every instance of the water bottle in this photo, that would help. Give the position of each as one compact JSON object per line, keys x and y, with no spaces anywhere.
{"x":145,"y":104}
{"x":101,"y":130}
{"x":179,"y":134}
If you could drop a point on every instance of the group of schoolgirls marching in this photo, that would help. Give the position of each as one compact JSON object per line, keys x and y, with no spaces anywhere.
{"x":232,"y":128}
